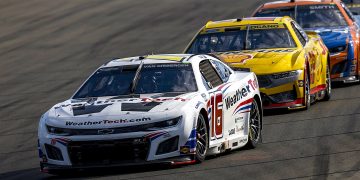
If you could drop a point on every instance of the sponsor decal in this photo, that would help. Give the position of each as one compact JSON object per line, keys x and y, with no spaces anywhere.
{"x":239,"y":129}
{"x":353,"y":5}
{"x":111,"y":101}
{"x":242,"y":140}
{"x":162,"y":99}
{"x":231,"y":131}
{"x":166,"y":57}
{"x":198,"y":104}
{"x":239,"y":119}
{"x":107,"y":122}
{"x":139,"y":141}
{"x":269,"y":50}
{"x":235,"y":57}
{"x":267,"y":26}
{"x":317,"y":7}
{"x":184,"y":149}
{"x":105,"y":131}
{"x":239,"y":94}
{"x":253,"y":83}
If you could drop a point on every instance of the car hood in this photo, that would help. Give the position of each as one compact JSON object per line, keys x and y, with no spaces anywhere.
{"x":117,"y":111}
{"x":333,"y":37}
{"x":259,"y":61}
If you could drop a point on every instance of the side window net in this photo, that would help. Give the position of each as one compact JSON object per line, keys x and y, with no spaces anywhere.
{"x":298,"y":34}
{"x":209,"y":73}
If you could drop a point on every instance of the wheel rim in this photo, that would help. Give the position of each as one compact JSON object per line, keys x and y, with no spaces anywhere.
{"x":254,"y":125}
{"x":307,"y":91}
{"x":201,"y":137}
{"x":328,"y":81}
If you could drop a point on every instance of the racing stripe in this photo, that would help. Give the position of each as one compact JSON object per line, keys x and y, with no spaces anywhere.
{"x":242,"y":104}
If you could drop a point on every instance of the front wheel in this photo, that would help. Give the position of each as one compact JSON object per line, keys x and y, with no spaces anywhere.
{"x":254,"y":134}
{"x":201,"y":139}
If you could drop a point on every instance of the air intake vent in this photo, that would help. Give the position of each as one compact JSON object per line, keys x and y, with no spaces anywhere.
{"x":53,"y":152}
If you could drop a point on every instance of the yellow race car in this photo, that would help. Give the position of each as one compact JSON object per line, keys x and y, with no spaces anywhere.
{"x":292,"y":66}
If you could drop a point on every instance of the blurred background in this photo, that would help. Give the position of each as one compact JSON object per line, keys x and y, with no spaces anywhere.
{"x":49,"y":47}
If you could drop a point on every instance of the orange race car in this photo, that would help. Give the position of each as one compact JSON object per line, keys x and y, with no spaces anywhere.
{"x":336,"y":25}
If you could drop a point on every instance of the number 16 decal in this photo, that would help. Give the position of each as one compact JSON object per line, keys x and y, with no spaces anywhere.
{"x":214,"y":105}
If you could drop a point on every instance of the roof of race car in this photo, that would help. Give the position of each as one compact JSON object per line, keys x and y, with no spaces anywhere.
{"x":246,"y":21}
{"x":297,"y":2}
{"x":151,"y":59}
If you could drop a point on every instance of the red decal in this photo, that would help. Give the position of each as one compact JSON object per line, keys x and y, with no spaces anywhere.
{"x":215,"y":104}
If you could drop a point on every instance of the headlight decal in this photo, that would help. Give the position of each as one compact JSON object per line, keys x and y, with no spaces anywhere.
{"x":153,"y":136}
{"x":277,"y":79}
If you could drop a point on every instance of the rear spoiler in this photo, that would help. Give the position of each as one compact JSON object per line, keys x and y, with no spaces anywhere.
{"x":241,"y":69}
{"x":311,"y":32}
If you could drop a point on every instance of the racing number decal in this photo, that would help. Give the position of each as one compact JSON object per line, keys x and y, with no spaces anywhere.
{"x":215,"y":111}
{"x":312,"y":67}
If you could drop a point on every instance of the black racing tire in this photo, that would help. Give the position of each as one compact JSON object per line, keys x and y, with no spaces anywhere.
{"x":307,"y":95}
{"x":328,"y":84}
{"x":254,"y":131}
{"x":202,"y":139}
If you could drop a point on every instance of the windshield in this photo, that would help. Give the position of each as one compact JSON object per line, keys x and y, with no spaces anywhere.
{"x":242,"y":38}
{"x":309,"y":16}
{"x":152,"y":78}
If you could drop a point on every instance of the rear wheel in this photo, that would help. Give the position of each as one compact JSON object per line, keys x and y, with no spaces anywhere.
{"x":328,"y":84}
{"x":254,"y":134}
{"x":201,"y":139}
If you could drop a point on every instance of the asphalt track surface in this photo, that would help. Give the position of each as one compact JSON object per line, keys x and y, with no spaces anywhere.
{"x":48,"y":48}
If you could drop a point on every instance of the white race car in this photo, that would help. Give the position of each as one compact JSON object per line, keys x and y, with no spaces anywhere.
{"x":152,"y":109}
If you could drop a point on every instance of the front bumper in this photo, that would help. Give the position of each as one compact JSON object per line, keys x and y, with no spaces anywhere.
{"x":269,"y":103}
{"x":53,"y":168}
{"x":284,"y":96}
{"x":343,"y":68}
{"x":350,"y":79}
{"x":173,"y":146}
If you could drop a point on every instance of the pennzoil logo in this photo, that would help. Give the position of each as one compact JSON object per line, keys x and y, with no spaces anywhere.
{"x":235,"y":58}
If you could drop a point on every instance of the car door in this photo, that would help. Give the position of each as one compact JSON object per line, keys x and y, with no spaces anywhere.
{"x":222,"y":122}
{"x":312,"y":54}
{"x":213,"y":80}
